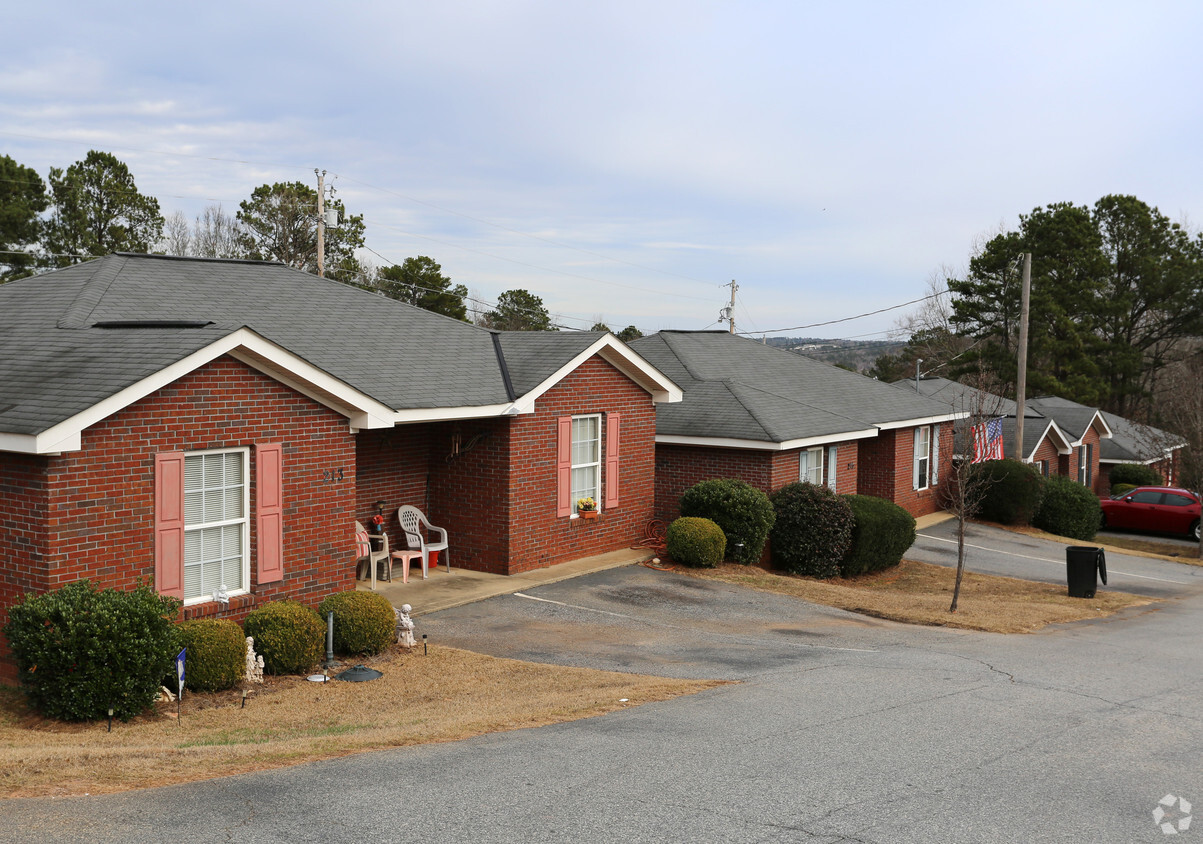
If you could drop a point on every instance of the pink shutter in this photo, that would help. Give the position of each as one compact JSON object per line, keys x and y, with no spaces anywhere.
{"x":169,"y":523}
{"x":613,"y":452}
{"x":564,"y":466}
{"x":269,"y":511}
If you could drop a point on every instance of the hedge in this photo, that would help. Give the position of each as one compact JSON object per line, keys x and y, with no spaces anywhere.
{"x":364,"y":622}
{"x":692,"y":541}
{"x":81,"y":650}
{"x":1011,"y":491}
{"x":288,"y":635}
{"x":881,"y":533}
{"x":742,"y":511}
{"x":813,"y":530}
{"x":216,"y":657}
{"x":1135,"y":474}
{"x":1069,"y":509}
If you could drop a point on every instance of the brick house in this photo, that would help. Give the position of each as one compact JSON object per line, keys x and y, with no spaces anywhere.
{"x":1045,"y":444}
{"x":770,"y":417}
{"x":1063,"y":437}
{"x":201,"y":423}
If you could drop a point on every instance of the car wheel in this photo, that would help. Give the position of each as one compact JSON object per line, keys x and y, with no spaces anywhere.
{"x":1194,"y":530}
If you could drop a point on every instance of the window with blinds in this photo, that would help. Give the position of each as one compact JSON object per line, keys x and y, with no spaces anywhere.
{"x":215,"y":523}
{"x":586,"y":459}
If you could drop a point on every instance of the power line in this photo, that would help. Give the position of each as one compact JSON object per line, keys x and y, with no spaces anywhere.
{"x":849,"y":319}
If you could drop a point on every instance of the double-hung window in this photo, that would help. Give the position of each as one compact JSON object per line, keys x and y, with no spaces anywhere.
{"x":586,"y":459}
{"x":921,"y":469}
{"x":810,"y":466}
{"x":215,"y":524}
{"x":1085,"y":458}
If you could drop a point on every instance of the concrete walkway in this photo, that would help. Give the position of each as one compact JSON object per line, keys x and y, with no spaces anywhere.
{"x":443,"y":590}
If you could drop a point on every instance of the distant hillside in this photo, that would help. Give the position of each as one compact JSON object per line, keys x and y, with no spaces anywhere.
{"x":850,"y":354}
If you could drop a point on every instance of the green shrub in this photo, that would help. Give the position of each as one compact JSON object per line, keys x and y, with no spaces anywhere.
{"x":742,"y":511}
{"x":364,"y":622}
{"x":216,"y":657}
{"x":693,"y":541}
{"x":1011,"y":491}
{"x":1135,"y":474}
{"x":813,"y":530}
{"x":81,"y":650}
{"x":1069,"y":509}
{"x":881,"y":533}
{"x":1120,"y":489}
{"x":288,"y":635}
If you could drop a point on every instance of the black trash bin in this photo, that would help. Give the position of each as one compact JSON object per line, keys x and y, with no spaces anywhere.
{"x":1082,"y":564}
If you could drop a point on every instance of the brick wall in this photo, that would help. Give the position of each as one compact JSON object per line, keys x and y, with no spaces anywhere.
{"x":1048,"y":451}
{"x":470,"y":491}
{"x":539,"y":538}
{"x":678,"y":467}
{"x":886,"y":466}
{"x":96,"y":505}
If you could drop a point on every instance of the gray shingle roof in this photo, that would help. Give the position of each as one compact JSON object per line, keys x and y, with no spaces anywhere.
{"x":738,"y":388}
{"x":55,"y":361}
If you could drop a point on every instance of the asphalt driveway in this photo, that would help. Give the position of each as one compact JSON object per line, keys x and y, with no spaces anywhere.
{"x":838,"y":728}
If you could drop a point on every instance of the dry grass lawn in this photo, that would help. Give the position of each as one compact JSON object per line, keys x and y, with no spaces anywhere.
{"x":446,"y":695}
{"x":919,"y":593}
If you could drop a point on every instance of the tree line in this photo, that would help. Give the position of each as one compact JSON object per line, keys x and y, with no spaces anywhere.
{"x":1116,"y":315}
{"x":94,"y":208}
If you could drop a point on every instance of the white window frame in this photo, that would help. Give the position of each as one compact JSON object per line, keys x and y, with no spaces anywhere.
{"x":1085,"y":476}
{"x":833,"y":462}
{"x":810,"y":466}
{"x":921,"y":463}
{"x":244,"y":521}
{"x":596,"y":463}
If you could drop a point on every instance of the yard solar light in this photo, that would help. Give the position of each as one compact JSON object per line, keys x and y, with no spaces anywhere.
{"x":423,"y":644}
{"x":244,"y":698}
{"x":110,"y":719}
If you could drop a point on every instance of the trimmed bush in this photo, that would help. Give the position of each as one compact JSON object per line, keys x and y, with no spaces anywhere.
{"x":1120,"y":489}
{"x":288,"y":635}
{"x":693,"y":541}
{"x":216,"y":653}
{"x":813,"y":531}
{"x":364,"y":622}
{"x":742,"y":511}
{"x":881,"y":533}
{"x":1011,"y":491}
{"x":1069,"y":509}
{"x":1135,"y":474}
{"x":80,"y":650}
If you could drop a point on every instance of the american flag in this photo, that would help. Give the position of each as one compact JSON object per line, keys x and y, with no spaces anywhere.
{"x":987,"y":441}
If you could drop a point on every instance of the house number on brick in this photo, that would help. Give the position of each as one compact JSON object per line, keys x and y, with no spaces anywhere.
{"x":332,"y":475}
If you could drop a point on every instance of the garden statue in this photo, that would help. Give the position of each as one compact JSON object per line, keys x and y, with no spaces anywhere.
{"x":254,"y":664}
{"x":405,"y":626}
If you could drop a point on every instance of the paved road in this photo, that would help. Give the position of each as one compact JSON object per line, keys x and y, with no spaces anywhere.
{"x":995,"y":551}
{"x":839,"y":728}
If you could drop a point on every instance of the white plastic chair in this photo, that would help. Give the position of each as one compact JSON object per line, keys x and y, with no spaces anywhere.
{"x":364,"y":550}
{"x":412,"y":522}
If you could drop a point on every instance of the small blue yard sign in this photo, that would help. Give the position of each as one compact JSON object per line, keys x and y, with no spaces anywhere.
{"x":179,"y":668}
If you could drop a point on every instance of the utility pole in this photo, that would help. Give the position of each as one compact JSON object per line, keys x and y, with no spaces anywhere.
{"x":321,"y":222}
{"x":730,"y":310}
{"x":1021,"y":386}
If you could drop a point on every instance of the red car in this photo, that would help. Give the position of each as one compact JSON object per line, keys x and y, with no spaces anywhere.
{"x":1154,"y":508}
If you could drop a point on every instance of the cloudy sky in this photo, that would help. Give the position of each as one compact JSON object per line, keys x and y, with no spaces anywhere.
{"x":625,"y":160}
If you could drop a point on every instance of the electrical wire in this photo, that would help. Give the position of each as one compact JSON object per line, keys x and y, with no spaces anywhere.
{"x":851,"y":318}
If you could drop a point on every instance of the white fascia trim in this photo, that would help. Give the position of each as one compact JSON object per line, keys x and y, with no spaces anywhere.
{"x":927,"y":420}
{"x":617,"y":354}
{"x":1052,"y":427}
{"x":35,"y":444}
{"x":451,"y":414}
{"x":761,"y":445}
{"x":362,"y":411}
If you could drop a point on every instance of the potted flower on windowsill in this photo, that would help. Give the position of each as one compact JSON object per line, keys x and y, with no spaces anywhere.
{"x":586,"y":508}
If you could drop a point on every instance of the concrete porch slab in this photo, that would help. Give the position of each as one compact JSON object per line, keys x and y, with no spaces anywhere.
{"x":443,"y":590}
